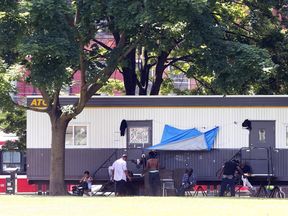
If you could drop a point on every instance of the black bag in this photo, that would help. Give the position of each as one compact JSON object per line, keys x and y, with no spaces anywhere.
{"x":76,"y":191}
{"x":84,"y":185}
{"x":247,"y":124}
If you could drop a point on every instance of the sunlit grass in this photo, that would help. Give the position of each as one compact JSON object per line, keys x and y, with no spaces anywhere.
{"x":41,"y":205}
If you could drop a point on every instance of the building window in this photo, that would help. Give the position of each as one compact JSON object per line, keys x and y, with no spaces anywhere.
{"x":76,"y":135}
{"x":65,"y":91}
{"x":180,"y":80}
{"x":261,"y":134}
{"x":14,"y":160}
{"x":139,"y":134}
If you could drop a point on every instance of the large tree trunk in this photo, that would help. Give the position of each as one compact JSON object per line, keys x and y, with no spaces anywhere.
{"x":130,"y":77}
{"x":144,"y":72}
{"x":57,"y":170}
{"x":160,"y":67}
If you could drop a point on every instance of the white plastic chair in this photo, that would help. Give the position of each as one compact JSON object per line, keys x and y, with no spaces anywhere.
{"x":169,"y":186}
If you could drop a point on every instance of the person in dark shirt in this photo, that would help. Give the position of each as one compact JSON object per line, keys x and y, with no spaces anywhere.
{"x":247,"y":171}
{"x":188,"y":181}
{"x":228,"y":170}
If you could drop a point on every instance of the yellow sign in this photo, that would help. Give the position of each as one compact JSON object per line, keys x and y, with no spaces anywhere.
{"x":38,"y":102}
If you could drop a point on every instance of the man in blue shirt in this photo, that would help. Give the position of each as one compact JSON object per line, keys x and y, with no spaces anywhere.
{"x":188,"y":182}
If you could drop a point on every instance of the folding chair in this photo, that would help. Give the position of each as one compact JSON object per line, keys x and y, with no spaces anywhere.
{"x":189,"y":191}
{"x":200,"y":188}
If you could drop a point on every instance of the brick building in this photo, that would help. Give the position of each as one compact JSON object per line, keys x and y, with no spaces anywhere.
{"x":180,"y":81}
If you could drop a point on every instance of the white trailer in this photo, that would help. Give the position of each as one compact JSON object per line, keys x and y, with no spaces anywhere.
{"x":95,"y":134}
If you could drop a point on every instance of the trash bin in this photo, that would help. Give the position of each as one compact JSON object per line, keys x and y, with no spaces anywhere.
{"x":11,"y":183}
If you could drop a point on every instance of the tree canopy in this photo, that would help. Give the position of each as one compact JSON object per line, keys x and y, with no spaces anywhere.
{"x":252,"y":34}
{"x":227,"y":47}
{"x":15,"y":122}
{"x":44,"y":43}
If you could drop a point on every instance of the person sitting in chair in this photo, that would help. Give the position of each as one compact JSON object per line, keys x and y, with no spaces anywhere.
{"x":188,"y":181}
{"x":88,"y":179}
{"x":247,"y":171}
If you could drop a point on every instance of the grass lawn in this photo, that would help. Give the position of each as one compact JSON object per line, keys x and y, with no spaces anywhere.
{"x":184,"y":206}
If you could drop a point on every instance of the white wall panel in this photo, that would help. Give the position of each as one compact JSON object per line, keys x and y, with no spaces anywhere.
{"x":104,"y":124}
{"x":38,"y":130}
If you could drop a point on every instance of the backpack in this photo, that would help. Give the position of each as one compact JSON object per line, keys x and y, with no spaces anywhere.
{"x":84,"y":185}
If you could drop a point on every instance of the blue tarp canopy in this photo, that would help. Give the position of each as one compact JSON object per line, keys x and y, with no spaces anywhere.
{"x":174,"y":139}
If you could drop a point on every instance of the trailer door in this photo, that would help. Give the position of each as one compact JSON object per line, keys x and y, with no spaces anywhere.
{"x":261,"y":136}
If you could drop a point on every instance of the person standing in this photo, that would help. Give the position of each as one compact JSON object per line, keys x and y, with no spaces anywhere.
{"x":188,"y":181}
{"x":119,"y":174}
{"x":228,"y":178}
{"x":154,"y":165}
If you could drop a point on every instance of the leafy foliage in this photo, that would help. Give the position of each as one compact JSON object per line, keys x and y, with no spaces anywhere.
{"x":227,"y":42}
{"x":277,"y":44}
{"x":111,"y":86}
{"x":216,"y":42}
{"x":53,"y":39}
{"x":15,"y":122}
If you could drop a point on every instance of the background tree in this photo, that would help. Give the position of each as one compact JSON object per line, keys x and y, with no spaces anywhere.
{"x":15,"y":122}
{"x":52,"y":39}
{"x":277,"y":44}
{"x":224,"y":46}
{"x":258,"y":28}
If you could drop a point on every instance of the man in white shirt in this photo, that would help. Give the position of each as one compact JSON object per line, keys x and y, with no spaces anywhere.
{"x":119,"y":173}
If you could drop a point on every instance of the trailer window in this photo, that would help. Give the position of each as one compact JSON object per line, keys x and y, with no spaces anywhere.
{"x":76,"y":135}
{"x":139,"y":134}
{"x":261,"y":134}
{"x":12,"y":160}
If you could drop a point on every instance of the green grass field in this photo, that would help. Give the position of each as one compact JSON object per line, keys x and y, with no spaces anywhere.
{"x":41,"y":205}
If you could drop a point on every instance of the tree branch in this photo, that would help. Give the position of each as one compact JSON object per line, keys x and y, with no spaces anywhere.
{"x":56,"y":99}
{"x":87,"y":94}
{"x":102,"y":44}
{"x":134,"y":44}
{"x":45,"y":95}
{"x":70,"y":22}
{"x":177,"y":59}
{"x":229,"y":32}
{"x":119,"y":70}
{"x":77,"y":17}
{"x":90,"y":35}
{"x":82,"y":63}
{"x":203,"y":84}
{"x":139,"y":84}
{"x":30,"y":108}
